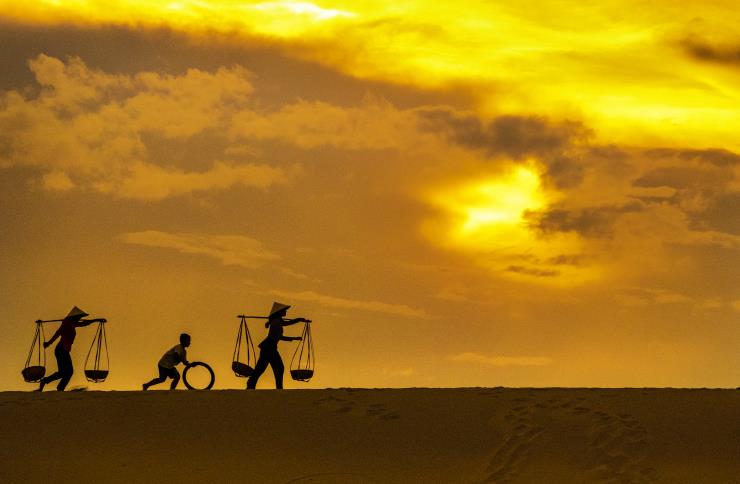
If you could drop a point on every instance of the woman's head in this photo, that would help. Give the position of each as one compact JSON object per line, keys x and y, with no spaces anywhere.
{"x":278,"y":311}
{"x":75,"y":314}
{"x":276,"y":316}
{"x":279,"y":314}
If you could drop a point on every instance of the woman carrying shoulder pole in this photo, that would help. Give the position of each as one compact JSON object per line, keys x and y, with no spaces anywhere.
{"x":269,"y":354}
{"x":66,"y":334}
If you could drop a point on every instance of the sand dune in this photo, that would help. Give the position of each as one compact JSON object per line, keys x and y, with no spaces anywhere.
{"x":377,"y":436}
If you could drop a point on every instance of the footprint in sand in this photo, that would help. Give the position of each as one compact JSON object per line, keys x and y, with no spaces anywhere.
{"x":617,"y":443}
{"x":331,"y":477}
{"x":620,"y":443}
{"x":346,"y":406}
{"x":505,"y":463}
{"x":336,"y":404}
{"x":380,"y":411}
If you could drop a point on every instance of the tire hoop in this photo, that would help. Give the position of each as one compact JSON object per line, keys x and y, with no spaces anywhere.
{"x":207,"y":367}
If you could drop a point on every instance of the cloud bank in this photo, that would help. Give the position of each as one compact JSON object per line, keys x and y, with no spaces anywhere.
{"x":237,"y":250}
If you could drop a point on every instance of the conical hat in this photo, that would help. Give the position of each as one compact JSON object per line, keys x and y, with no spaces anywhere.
{"x":76,"y":312}
{"x":277,"y":307}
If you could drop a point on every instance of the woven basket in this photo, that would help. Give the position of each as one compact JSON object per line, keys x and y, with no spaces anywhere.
{"x":301,"y":375}
{"x":96,"y":376}
{"x":241,"y":369}
{"x":33,"y":373}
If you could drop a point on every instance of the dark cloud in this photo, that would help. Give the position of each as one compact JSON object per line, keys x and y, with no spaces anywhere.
{"x":558,"y":260}
{"x":591,"y":222}
{"x":648,"y":200}
{"x":702,"y":179}
{"x":279,"y":77}
{"x":530,"y":271}
{"x":716,"y":156}
{"x":566,"y":260}
{"x":704,"y":51}
{"x":681,"y":177}
{"x":608,"y":153}
{"x":516,"y":137}
{"x":722,"y":214}
{"x":565,"y":171}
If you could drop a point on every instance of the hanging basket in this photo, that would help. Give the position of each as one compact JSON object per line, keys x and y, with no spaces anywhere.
{"x":35,"y":367}
{"x":244,"y":358}
{"x":301,"y":375}
{"x":33,"y":374}
{"x":303,"y":362}
{"x":96,"y":376}
{"x":97,"y":367}
{"x":242,"y":370}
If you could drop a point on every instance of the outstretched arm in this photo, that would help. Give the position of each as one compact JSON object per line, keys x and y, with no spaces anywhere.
{"x":290,"y":338}
{"x":54,"y":337}
{"x":288,"y":322}
{"x":87,"y":322}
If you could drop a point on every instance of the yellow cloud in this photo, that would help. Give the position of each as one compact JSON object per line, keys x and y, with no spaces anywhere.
{"x":236,"y":250}
{"x":57,"y":181}
{"x":151,"y":182}
{"x":621,"y":65}
{"x":495,"y":360}
{"x":345,"y":303}
{"x":89,"y":125}
{"x":374,"y":124}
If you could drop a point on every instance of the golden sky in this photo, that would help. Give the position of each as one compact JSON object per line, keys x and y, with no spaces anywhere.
{"x":460,"y":193}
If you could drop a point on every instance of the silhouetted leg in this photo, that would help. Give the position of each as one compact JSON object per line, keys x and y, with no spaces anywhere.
{"x":53,"y":377}
{"x":175,"y":375}
{"x":156,"y":381}
{"x":259,"y":369}
{"x":60,"y":366}
{"x":65,"y":368}
{"x":277,"y":369}
{"x":163,"y":374}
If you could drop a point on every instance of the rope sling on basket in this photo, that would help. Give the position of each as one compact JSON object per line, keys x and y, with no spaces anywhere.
{"x":243,"y":368}
{"x":97,"y":369}
{"x":304,"y":361}
{"x":35,"y":368}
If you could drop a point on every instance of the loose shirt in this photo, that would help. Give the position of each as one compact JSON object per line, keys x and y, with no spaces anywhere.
{"x":173,"y":357}
{"x":274,"y":334}
{"x":67,"y":333}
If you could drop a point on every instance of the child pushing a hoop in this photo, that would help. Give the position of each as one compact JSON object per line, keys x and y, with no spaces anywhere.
{"x":176,"y":355}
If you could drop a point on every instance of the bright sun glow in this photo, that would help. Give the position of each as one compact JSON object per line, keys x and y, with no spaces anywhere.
{"x":498,"y":202}
{"x":488,"y":211}
{"x":302,"y":8}
{"x":487,"y":220}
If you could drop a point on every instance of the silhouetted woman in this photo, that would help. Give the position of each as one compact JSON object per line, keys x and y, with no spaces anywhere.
{"x":66,"y":334}
{"x":268,"y":348}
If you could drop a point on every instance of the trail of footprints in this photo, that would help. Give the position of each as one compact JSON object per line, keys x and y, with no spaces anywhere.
{"x":506,"y":461}
{"x":617,"y":444}
{"x":341,"y":405}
